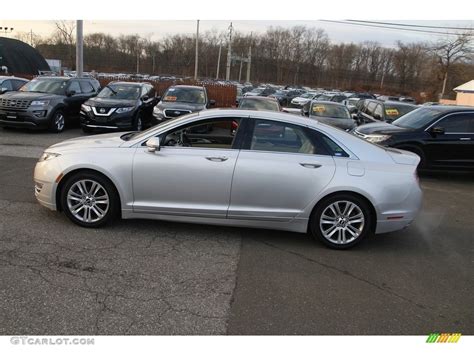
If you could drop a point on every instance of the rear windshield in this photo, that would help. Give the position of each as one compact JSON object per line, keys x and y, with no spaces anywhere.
{"x":396,"y":111}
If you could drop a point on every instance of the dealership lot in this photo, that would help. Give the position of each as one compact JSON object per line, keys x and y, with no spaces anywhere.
{"x":149,"y":277}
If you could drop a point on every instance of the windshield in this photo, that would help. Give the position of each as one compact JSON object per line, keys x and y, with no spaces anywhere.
{"x":307,"y":96}
{"x":328,"y":110}
{"x":120,"y":92}
{"x":396,"y":111}
{"x":185,"y":94}
{"x":47,"y":86}
{"x":417,"y":119}
{"x":259,"y":105}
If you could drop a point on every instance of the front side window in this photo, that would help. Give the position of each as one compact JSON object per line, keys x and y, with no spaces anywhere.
{"x":273,"y":136}
{"x":87,"y":87}
{"x":458,"y":124}
{"x":217,"y":134}
{"x":74,"y":86}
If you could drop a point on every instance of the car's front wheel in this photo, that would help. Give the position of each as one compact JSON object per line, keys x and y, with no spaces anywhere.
{"x":89,"y":199}
{"x":58,"y":122}
{"x":341,"y":221}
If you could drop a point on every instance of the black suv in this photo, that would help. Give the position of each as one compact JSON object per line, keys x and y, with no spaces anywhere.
{"x":385,"y":111}
{"x":46,"y":102}
{"x":443,"y":136}
{"x":180,"y":100}
{"x":11,"y":83}
{"x":120,"y":105}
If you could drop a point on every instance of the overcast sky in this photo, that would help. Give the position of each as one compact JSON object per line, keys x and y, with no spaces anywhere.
{"x":158,"y":29}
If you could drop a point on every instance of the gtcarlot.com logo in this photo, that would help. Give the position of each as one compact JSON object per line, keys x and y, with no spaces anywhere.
{"x":443,"y":338}
{"x":25,"y":340}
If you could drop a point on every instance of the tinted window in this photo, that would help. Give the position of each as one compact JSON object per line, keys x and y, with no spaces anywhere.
{"x":371,"y":108}
{"x":86,"y":87}
{"x":458,"y":123}
{"x":334,"y":148}
{"x":7,"y":84}
{"x":218,"y":134}
{"x":275,"y":136}
{"x":378,"y":113}
{"x":74,"y":86}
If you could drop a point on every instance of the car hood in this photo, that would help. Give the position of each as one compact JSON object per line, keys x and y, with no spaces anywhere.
{"x":103,"y":102}
{"x":108,"y":140}
{"x":380,"y":128}
{"x":30,"y":96}
{"x":180,"y":106}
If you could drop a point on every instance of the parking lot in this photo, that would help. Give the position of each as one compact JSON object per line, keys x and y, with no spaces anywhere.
{"x":150,"y":277}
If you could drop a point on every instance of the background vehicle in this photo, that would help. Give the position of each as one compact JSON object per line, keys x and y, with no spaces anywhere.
{"x":11,"y":83}
{"x":222,"y":177}
{"x":386,"y":111}
{"x":120,"y":105}
{"x":330,"y":113}
{"x":442,"y":136}
{"x":180,"y":100}
{"x":300,"y":101}
{"x":260,"y":91}
{"x":46,"y":102}
{"x":284,"y":97}
{"x":259,"y":103}
{"x":334,"y":97}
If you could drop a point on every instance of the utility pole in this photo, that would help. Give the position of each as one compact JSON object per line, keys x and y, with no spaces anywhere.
{"x":196,"y":59}
{"x":79,"y":49}
{"x":249,"y":62}
{"x":229,"y":53}
{"x":31,"y":37}
{"x":219,"y":61}
{"x":153,"y":63}
{"x":138,"y":55}
{"x":240,"y":69}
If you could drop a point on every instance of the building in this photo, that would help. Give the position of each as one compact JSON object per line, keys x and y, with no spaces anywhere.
{"x":19,"y":58}
{"x":465,"y":94}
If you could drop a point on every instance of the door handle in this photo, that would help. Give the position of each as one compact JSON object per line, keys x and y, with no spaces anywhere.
{"x":465,"y":139}
{"x":217,"y":159}
{"x":310,"y":165}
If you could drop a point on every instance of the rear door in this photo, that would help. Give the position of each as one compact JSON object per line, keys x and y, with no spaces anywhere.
{"x":280,"y":170}
{"x":454,"y":148}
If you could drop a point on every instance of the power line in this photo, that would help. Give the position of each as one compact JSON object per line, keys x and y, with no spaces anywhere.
{"x":419,"y":26}
{"x":392,"y":28}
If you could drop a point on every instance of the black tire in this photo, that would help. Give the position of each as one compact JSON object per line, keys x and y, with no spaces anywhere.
{"x":58,"y":122}
{"x":111,"y":193}
{"x":138,"y":122}
{"x":363,"y":228}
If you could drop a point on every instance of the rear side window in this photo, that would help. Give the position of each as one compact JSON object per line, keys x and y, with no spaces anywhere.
{"x":7,"y":84}
{"x":86,"y":87}
{"x":328,"y":145}
{"x":74,"y":86}
{"x":463,"y":123}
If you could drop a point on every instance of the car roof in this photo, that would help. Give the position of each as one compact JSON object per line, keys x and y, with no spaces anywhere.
{"x":4,"y":77}
{"x":328,"y":103}
{"x":130,"y":83}
{"x":448,"y":108}
{"x":187,"y":86}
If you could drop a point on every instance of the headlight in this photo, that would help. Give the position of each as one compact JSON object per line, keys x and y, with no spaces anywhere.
{"x":86,"y":108}
{"x":40,"y":103}
{"x":157,"y":110}
{"x":124,"y":109}
{"x":377,"y":138}
{"x":48,"y":156}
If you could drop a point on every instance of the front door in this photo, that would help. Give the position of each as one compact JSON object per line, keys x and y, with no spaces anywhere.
{"x":191,"y":175}
{"x":280,"y":173}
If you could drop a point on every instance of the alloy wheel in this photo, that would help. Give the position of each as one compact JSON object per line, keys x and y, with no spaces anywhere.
{"x":88,"y":201}
{"x":59,"y":121}
{"x":342,"y":222}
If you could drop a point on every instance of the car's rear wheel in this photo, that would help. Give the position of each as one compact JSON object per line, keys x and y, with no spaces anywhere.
{"x":341,"y":221}
{"x":58,"y":122}
{"x":89,"y":199}
{"x":138,"y":122}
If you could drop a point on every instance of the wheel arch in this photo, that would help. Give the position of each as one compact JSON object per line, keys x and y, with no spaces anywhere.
{"x":373,"y":211}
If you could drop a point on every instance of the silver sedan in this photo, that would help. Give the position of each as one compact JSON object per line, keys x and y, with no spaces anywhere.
{"x":235,"y":168}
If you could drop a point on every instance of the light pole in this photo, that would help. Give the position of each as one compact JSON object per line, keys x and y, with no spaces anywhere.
{"x":196,"y":59}
{"x":79,"y":49}
{"x":229,"y":53}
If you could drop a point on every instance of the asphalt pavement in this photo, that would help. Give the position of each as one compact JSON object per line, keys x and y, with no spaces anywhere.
{"x":151,"y":277}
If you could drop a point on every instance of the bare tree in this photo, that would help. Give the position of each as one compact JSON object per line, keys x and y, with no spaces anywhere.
{"x":450,"y":51}
{"x":64,"y":36}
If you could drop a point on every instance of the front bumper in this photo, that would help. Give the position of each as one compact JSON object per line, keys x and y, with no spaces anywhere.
{"x":116,"y":121}
{"x":33,"y":117}
{"x":46,"y":178}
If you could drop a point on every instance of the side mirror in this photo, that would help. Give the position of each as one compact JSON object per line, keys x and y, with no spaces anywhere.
{"x":70,"y":93}
{"x":437,"y":130}
{"x":212,"y":102}
{"x":145,"y":98}
{"x":153,"y":144}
